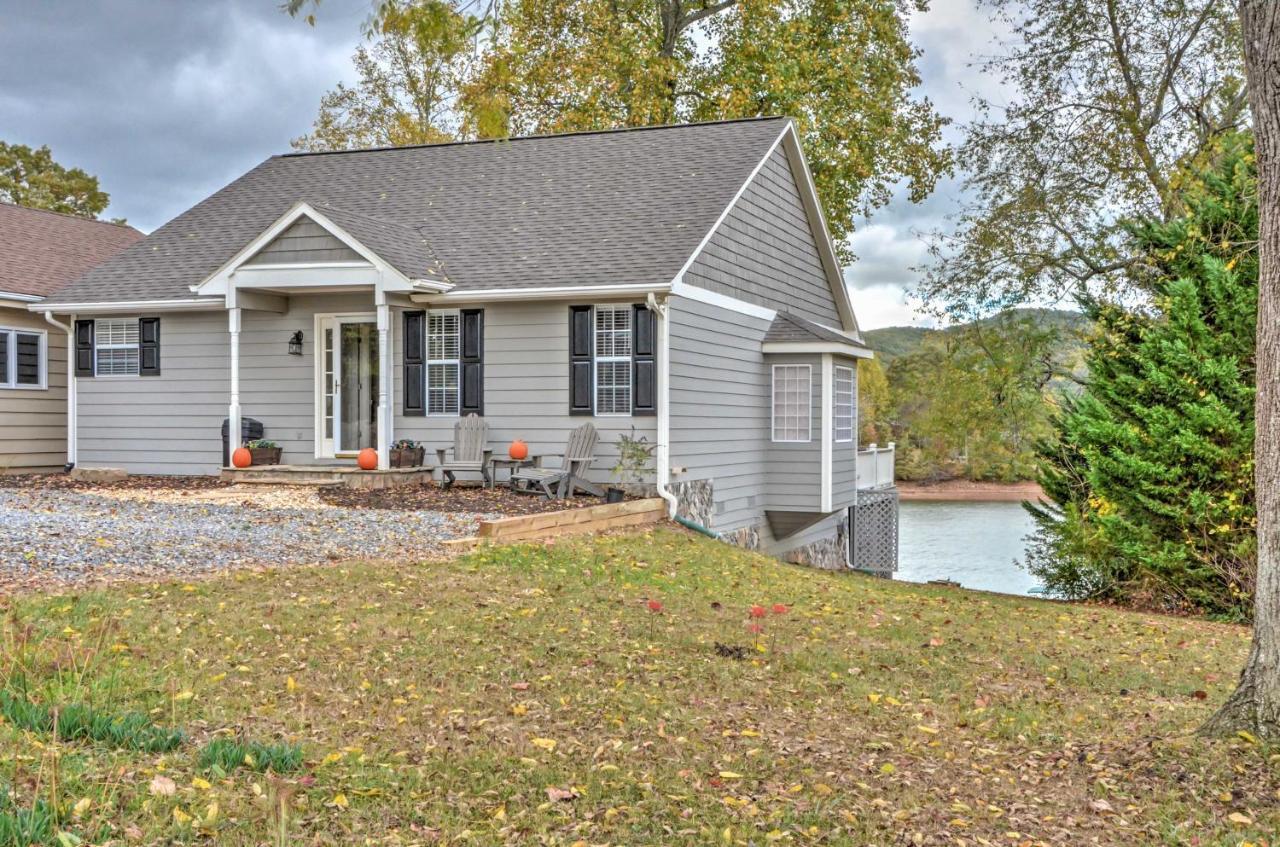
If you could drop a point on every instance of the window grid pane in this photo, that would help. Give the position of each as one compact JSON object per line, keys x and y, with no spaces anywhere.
{"x":613,"y":360}
{"x":843,"y":406}
{"x":791,"y":402}
{"x":444,"y":346}
{"x":613,"y":388}
{"x":116,"y":340}
{"x":442,"y":389}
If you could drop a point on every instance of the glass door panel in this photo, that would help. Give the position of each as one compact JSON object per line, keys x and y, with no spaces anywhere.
{"x":357,"y":384}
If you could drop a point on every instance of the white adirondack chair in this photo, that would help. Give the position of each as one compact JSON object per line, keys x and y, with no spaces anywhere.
{"x":559,"y":483}
{"x":470,"y":451}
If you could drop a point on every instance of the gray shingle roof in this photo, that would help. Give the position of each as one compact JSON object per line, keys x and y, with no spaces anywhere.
{"x":42,"y":251}
{"x":787,"y":327}
{"x":606,"y":208}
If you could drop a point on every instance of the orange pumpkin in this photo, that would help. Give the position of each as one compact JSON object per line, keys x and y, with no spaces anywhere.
{"x":368,"y":459}
{"x":518,"y":449}
{"x":242,"y":458}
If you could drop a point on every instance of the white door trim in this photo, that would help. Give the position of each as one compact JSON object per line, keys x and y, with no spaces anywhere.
{"x":325,"y":448}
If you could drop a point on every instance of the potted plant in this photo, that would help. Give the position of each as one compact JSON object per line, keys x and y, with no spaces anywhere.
{"x":407,"y":453}
{"x":264,"y":452}
{"x":634,"y":455}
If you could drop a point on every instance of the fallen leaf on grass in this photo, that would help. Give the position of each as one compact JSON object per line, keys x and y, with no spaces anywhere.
{"x":547,"y":744}
{"x":162,"y":786}
{"x":1100,"y":806}
{"x":556,"y":794}
{"x":1242,"y":820}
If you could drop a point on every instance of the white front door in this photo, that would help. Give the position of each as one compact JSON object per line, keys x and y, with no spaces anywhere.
{"x":347,"y":388}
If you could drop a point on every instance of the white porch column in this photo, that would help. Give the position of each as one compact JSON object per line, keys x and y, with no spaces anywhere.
{"x":384,"y":381}
{"x":233,"y":413}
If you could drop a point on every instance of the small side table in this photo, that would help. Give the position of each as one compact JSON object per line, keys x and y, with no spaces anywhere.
{"x":510,"y":465}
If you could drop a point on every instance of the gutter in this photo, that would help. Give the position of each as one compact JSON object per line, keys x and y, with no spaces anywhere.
{"x":72,"y":406}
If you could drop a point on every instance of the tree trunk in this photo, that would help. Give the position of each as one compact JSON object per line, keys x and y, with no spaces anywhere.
{"x":1255,"y":705}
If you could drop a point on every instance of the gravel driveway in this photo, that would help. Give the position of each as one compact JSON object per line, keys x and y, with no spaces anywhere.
{"x":51,"y":537}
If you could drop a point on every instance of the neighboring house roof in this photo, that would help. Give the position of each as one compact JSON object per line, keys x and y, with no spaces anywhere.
{"x":792,"y":329}
{"x":40,"y":252}
{"x":620,"y":207}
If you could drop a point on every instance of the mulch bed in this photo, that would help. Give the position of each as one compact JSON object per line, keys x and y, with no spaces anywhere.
{"x":432,"y":497}
{"x":65,"y":482}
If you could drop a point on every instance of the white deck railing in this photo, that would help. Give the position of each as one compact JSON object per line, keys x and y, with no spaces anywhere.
{"x":875,"y":466}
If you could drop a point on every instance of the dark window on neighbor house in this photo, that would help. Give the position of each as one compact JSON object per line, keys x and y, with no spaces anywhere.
{"x":23,"y":359}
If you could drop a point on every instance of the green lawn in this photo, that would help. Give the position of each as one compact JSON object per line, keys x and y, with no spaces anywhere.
{"x":528,"y":695}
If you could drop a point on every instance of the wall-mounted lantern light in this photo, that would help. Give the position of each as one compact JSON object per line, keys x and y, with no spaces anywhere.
{"x":295,"y":344}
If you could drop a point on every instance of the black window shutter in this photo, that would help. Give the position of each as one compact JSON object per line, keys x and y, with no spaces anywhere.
{"x":4,"y":356}
{"x":84,"y":348}
{"x":28,"y":355}
{"x":643,"y":362}
{"x":148,"y":346}
{"x":580,"y":364}
{"x":472,"y":361}
{"x":415,"y":377}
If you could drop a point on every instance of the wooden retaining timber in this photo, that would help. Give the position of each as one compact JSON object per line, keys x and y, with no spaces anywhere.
{"x":568,"y":522}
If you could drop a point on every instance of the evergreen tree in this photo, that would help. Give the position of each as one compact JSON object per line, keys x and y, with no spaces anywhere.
{"x":1151,"y":472}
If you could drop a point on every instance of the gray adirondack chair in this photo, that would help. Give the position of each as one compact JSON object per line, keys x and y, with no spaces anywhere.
{"x":559,"y":483}
{"x":470,"y":451}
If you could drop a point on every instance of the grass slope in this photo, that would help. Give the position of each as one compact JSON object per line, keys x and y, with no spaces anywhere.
{"x":528,"y":695}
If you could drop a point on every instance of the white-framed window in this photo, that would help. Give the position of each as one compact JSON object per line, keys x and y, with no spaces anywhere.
{"x":24,"y":358}
{"x":115,"y":343}
{"x":444,"y":346}
{"x":612,"y":353}
{"x":842,"y":408}
{"x":792,"y":402}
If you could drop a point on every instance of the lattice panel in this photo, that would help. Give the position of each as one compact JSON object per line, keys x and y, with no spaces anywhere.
{"x":873,"y":536}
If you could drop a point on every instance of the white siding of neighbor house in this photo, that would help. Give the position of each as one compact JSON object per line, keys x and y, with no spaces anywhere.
{"x":33,"y":421}
{"x":765,"y":252}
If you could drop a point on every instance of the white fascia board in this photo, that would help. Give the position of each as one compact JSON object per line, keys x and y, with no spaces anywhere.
{"x":724,"y":301}
{"x":824,"y":347}
{"x":559,"y":292}
{"x":250,"y":277}
{"x":818,"y":223}
{"x":129,"y":306}
{"x":10,"y":298}
{"x":227,"y":275}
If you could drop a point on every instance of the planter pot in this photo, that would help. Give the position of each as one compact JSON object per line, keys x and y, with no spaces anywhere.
{"x":407,"y":457}
{"x":614,"y":495}
{"x":265,"y":455}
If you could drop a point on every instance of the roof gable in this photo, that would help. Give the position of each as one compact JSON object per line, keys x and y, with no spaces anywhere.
{"x":303,"y":242}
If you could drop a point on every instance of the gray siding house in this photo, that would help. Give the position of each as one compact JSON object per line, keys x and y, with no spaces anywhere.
{"x":675,"y":282}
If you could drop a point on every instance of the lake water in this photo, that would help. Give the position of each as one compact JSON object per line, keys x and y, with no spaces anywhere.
{"x":976,"y":544}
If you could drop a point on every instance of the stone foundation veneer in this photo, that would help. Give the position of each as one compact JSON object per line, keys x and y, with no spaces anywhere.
{"x":829,"y":554}
{"x":697,"y":500}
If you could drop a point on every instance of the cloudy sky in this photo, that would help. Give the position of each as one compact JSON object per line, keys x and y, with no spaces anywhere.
{"x":168,"y":101}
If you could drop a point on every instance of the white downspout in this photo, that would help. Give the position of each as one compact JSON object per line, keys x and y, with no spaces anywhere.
{"x":69,"y":328}
{"x":662,"y":311}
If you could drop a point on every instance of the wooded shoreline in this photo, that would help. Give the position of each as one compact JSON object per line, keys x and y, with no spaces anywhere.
{"x":968,"y":491}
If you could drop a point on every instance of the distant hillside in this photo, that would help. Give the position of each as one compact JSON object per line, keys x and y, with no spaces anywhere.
{"x":894,"y":341}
